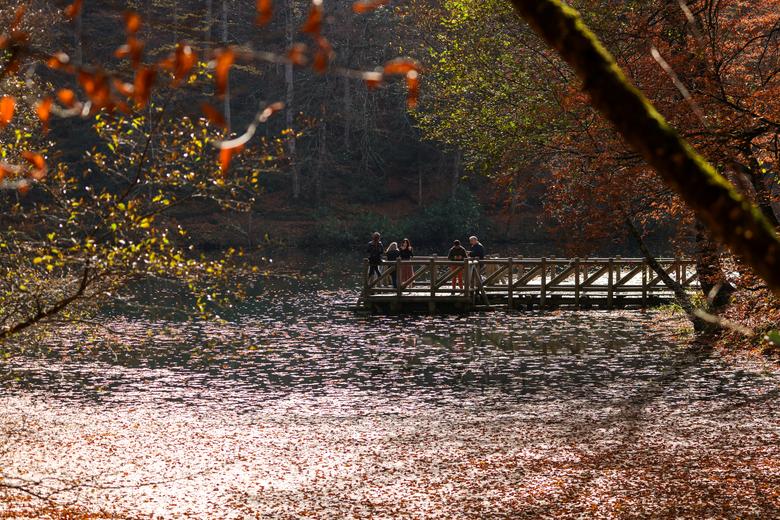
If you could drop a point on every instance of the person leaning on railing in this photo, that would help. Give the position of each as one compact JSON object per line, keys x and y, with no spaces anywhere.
{"x":392,"y":254}
{"x":457,"y":254}
{"x":374,"y":251}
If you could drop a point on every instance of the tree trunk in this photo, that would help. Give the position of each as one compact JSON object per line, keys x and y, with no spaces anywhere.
{"x":323,"y":130}
{"x":289,"y":99}
{"x":731,"y":217}
{"x":225,"y":37}
{"x":456,"y":167}
{"x":709,"y":268}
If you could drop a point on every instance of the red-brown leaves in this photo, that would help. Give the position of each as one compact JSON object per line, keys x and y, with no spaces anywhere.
{"x":73,"y":10}
{"x":96,"y":87}
{"x":7,"y":106}
{"x":66,"y":97}
{"x":366,"y":6}
{"x":38,"y":164}
{"x":224,"y":60}
{"x":132,"y":22}
{"x":142,"y":86}
{"x":297,"y":54}
{"x":43,"y":110}
{"x":313,"y":24}
{"x":213,"y":115}
{"x":180,"y":63}
{"x":323,"y":55}
{"x":226,"y":155}
{"x":133,"y":49}
{"x":264,"y":12}
{"x":18,"y":16}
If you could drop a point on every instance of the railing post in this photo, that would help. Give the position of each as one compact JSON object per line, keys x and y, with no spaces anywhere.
{"x":577,"y":283}
{"x":365,"y":277}
{"x":511,"y":286}
{"x":677,"y":265}
{"x":467,"y":278}
{"x":399,"y":282}
{"x":543,"y":293}
{"x":433,"y":277}
{"x":644,"y":282}
{"x":610,"y":282}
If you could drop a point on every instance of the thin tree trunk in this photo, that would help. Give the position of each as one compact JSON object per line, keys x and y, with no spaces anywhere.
{"x":709,"y":268}
{"x":731,"y":217}
{"x":455,"y":174}
{"x":225,"y":36}
{"x":289,"y":99}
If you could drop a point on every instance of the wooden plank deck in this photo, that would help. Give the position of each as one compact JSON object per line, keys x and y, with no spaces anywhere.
{"x":519,"y":282}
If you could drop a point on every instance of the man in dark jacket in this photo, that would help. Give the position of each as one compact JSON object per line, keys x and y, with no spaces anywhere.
{"x":477,"y":249}
{"x":374,"y":251}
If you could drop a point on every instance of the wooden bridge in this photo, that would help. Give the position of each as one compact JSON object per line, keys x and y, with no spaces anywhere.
{"x":425,"y":284}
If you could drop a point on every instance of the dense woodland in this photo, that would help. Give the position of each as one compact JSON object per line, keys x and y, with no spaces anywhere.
{"x":136,"y":136}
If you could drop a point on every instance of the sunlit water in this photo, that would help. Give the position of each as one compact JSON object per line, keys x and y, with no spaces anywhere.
{"x":295,"y":407}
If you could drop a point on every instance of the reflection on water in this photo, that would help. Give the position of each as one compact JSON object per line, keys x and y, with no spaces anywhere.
{"x":293,"y":359}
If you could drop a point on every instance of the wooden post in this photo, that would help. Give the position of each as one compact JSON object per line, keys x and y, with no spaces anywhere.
{"x":467,"y":279}
{"x":543,"y":293}
{"x":433,"y":277}
{"x":577,"y":283}
{"x":365,"y":277}
{"x":398,"y":280}
{"x":644,"y":283}
{"x":610,"y":282}
{"x":510,"y":287}
{"x":677,"y":266}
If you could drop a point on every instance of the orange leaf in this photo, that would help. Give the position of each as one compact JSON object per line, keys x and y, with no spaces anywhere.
{"x":96,"y":87}
{"x":134,"y":49}
{"x":126,"y":89}
{"x":59,"y":60}
{"x":368,"y":5}
{"x":372,"y":80}
{"x":35,"y":159}
{"x":264,"y":11}
{"x":323,"y":55}
{"x":213,"y":115}
{"x":73,"y":9}
{"x":7,"y":105}
{"x":401,"y":66}
{"x":132,"y":22}
{"x":225,"y":59}
{"x":67,"y":97}
{"x":180,"y":62}
{"x":142,"y":86}
{"x":297,"y":54}
{"x":43,"y":109}
{"x":412,"y":88}
{"x":313,"y":24}
{"x":226,"y":155}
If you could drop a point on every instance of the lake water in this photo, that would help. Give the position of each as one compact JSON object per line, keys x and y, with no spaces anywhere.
{"x":295,"y":407}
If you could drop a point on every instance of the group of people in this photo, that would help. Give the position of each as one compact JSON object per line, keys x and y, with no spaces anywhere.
{"x":377,"y":255}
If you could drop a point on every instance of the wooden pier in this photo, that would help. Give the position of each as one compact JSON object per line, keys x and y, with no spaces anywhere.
{"x":425,"y":284}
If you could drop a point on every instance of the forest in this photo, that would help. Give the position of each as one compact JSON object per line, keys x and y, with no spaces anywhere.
{"x":188,"y":188}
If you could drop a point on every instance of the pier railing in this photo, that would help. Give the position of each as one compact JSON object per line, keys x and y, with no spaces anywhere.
{"x":603,"y":282}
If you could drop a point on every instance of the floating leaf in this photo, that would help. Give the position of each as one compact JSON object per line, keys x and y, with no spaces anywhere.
{"x":313,"y":24}
{"x":366,"y":6}
{"x":58,"y":61}
{"x":96,"y":87}
{"x":7,"y":106}
{"x":225,"y":58}
{"x":38,"y":163}
{"x":134,"y":49}
{"x":43,"y":109}
{"x":73,"y":10}
{"x":126,"y":89}
{"x":264,"y":12}
{"x":373,"y":79}
{"x":213,"y":115}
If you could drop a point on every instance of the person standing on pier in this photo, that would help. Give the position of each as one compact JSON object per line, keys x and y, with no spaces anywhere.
{"x":457,"y":254}
{"x":392,"y":254}
{"x":477,"y":249}
{"x":407,"y":271}
{"x":374,"y":251}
